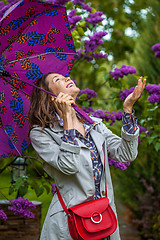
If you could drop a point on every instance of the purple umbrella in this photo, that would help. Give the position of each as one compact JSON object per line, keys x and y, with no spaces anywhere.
{"x":34,"y":39}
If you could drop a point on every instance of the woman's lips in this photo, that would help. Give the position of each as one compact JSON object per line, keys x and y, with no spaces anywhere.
{"x":69,"y":85}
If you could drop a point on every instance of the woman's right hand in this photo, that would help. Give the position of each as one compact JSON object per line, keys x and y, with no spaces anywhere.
{"x":63,"y":104}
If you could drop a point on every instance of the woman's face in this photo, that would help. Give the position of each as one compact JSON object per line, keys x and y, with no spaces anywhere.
{"x":58,"y":83}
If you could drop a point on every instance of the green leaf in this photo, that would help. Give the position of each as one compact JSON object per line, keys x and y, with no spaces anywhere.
{"x":86,"y":104}
{"x":80,"y":31}
{"x":11,"y":190}
{"x":23,"y":190}
{"x":48,"y":189}
{"x":82,"y":24}
{"x":157,"y":146}
{"x":101,"y":69}
{"x":93,"y":10}
{"x":19,"y":183}
{"x":40,"y":191}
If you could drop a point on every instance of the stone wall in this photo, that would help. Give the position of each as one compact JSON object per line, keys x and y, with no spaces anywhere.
{"x":18,"y":228}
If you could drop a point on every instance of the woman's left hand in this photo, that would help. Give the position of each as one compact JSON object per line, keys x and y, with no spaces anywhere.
{"x":133,"y":97}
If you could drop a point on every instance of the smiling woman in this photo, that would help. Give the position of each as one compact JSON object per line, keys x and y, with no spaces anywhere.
{"x":75,"y":152}
{"x":59,"y":83}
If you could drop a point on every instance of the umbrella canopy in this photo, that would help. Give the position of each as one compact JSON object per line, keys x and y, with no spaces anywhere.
{"x":34,"y":39}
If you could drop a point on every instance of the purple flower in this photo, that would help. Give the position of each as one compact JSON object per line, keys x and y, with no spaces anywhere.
{"x":88,"y":110}
{"x":3,"y":216}
{"x":86,"y":7}
{"x":53,"y":189}
{"x":95,"y":18}
{"x":90,"y":93}
{"x":76,"y":2}
{"x":99,"y":55}
{"x":116,"y":116}
{"x":1,"y":4}
{"x":156,"y":47}
{"x":124,"y":70}
{"x":157,"y":54}
{"x":142,"y":129}
{"x":154,"y":98}
{"x":73,"y":19}
{"x":94,"y":41}
{"x":154,"y":90}
{"x":120,"y":165}
{"x":125,"y":93}
{"x":20,"y":207}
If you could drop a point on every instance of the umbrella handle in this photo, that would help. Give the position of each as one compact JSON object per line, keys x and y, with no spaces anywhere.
{"x":82,"y":113}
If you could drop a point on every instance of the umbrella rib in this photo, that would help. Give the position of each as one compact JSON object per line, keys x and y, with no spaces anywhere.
{"x":11,"y":140}
{"x":42,"y":54}
{"x":26,"y":83}
{"x":14,"y":85}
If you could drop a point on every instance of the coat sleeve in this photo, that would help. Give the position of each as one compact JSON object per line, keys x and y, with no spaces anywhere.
{"x":62,"y":156}
{"x":124,"y":148}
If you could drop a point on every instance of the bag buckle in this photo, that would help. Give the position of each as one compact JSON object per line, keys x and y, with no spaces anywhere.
{"x":100,"y":220}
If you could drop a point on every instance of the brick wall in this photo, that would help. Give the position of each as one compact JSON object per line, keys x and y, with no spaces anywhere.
{"x":18,"y":228}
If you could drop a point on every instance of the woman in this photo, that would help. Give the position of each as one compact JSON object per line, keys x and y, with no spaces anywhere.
{"x":72,"y":149}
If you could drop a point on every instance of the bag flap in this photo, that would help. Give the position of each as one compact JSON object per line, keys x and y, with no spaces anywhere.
{"x":89,"y":208}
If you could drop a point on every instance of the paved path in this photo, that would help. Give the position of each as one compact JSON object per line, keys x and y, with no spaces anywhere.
{"x":127,"y":229}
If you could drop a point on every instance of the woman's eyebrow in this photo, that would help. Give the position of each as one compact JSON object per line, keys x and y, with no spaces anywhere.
{"x":55,"y":76}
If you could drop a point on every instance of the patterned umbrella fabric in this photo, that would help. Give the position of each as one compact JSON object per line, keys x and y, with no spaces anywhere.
{"x":34,"y":39}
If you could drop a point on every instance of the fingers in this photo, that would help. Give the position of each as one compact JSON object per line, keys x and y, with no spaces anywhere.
{"x":63,"y":103}
{"x":64,"y":98}
{"x":141,"y":83}
{"x":140,"y":86}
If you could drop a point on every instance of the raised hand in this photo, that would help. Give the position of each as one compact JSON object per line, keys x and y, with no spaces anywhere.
{"x":133,"y":97}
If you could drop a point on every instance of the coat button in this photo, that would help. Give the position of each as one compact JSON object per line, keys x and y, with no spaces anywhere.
{"x":103,"y":193}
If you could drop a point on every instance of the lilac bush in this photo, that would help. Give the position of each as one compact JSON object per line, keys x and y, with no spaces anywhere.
{"x":104,"y":114}
{"x":90,"y":93}
{"x":120,"y":165}
{"x":94,"y":41}
{"x":86,"y":7}
{"x":125,"y":93}
{"x":91,"y":45}
{"x":121,"y":72}
{"x":95,"y":18}
{"x":154,"y":90}
{"x":76,"y":2}
{"x":53,"y":186}
{"x":73,"y":19}
{"x":156,"y":49}
{"x":3,"y":216}
{"x":20,"y":207}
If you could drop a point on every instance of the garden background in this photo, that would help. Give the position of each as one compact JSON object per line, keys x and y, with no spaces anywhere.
{"x":117,"y":41}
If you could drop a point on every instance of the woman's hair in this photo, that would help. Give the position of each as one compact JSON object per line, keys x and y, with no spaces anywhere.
{"x":42,"y":111}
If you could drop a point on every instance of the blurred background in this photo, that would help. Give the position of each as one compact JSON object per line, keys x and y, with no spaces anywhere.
{"x":128,"y":31}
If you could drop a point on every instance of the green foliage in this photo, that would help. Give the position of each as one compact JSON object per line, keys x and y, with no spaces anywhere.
{"x":138,"y":187}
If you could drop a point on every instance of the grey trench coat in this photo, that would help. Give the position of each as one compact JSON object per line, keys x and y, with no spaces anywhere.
{"x":71,"y":168}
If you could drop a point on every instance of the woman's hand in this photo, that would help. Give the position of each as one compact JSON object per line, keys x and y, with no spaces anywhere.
{"x":63,"y":104}
{"x":133,"y":97}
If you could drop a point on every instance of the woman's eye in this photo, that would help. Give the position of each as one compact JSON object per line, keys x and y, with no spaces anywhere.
{"x":57,"y":79}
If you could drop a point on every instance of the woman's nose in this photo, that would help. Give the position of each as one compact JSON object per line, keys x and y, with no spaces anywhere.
{"x":68,"y":78}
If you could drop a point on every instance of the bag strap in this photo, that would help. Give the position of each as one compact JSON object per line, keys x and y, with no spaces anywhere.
{"x":62,"y":202}
{"x":61,"y":199}
{"x":105,"y":173}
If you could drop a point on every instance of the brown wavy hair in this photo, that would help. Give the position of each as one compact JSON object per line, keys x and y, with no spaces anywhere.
{"x":42,"y":111}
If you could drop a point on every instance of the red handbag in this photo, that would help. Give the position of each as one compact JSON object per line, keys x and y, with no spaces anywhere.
{"x":91,"y":220}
